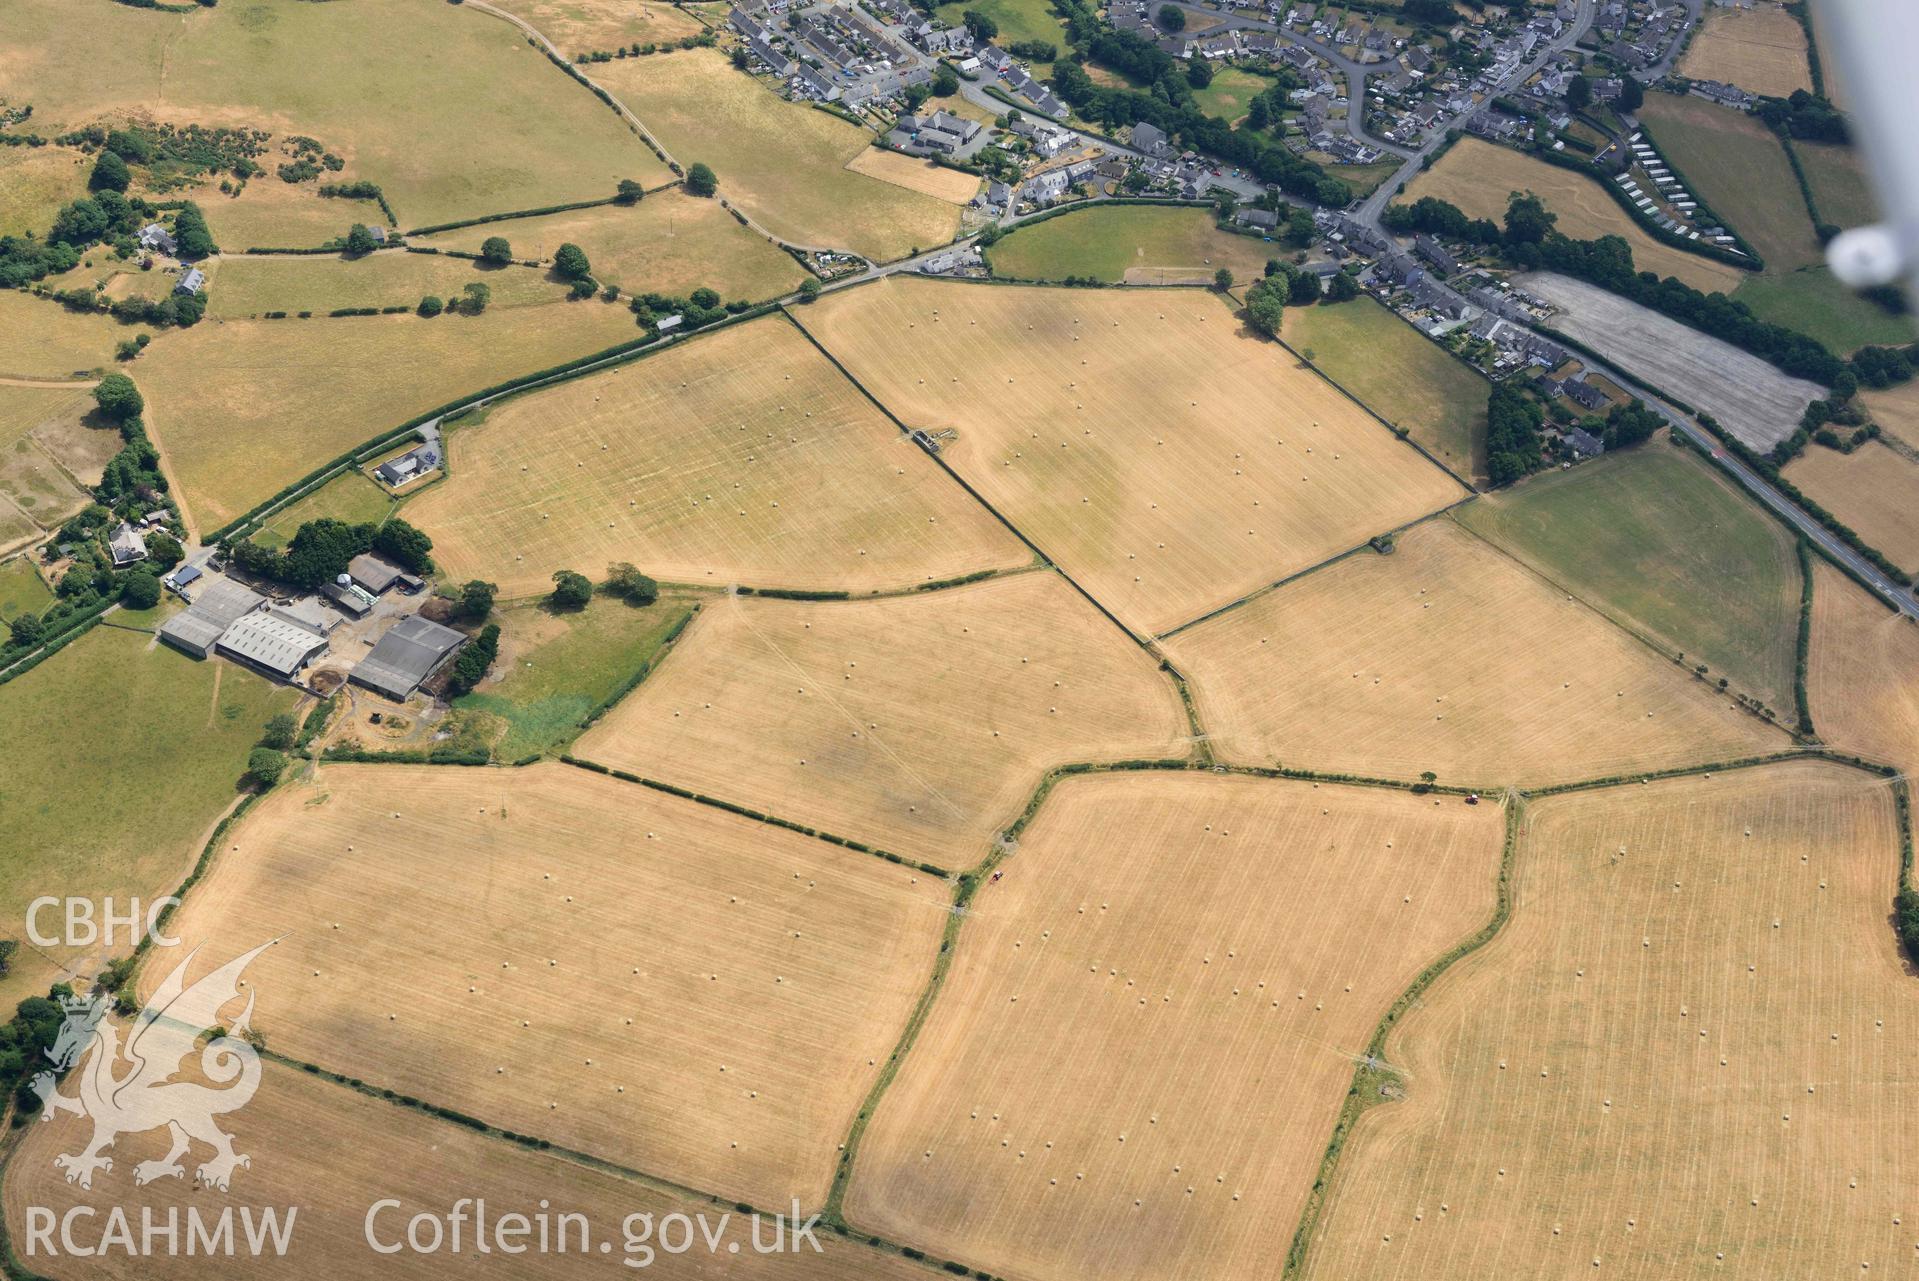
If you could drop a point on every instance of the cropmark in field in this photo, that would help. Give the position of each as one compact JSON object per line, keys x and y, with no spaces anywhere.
{"x":1167,"y":459}
{"x":739,"y":457}
{"x":1689,"y":1053}
{"x":1447,"y":656}
{"x":918,"y":724}
{"x":674,"y":988}
{"x":1132,"y":1067}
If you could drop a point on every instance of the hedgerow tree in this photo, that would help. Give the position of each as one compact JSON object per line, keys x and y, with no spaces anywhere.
{"x":1266,"y":304}
{"x":118,"y":398}
{"x":279,"y":732}
{"x":264,"y":766}
{"x":1341,"y":287}
{"x":432,"y":305}
{"x":496,"y":250}
{"x":470,"y":668}
{"x":571,"y":591}
{"x":630,"y":192}
{"x":190,"y":235}
{"x":630,"y":585}
{"x":1223,"y":279}
{"x":359,"y":240}
{"x":476,"y":598}
{"x":571,"y":262}
{"x":701,"y":180}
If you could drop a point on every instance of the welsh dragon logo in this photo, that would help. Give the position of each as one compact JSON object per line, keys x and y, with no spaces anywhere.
{"x":159,"y":1040}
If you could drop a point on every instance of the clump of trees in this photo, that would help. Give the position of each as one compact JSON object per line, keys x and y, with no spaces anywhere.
{"x":571,"y":591}
{"x":320,"y":550}
{"x":496,"y":251}
{"x":571,"y":262}
{"x":630,"y":585}
{"x":1513,"y":420}
{"x":473,"y":662}
{"x":701,"y":180}
{"x":265,"y":766}
{"x":476,"y":599}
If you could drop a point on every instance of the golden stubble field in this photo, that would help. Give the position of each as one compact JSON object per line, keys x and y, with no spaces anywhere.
{"x":1164,"y":457}
{"x":1761,"y":49}
{"x":952,"y":185}
{"x":738,"y":457}
{"x":669,"y":243}
{"x":919,"y":724}
{"x":371,"y":1150}
{"x":242,"y":408}
{"x":1691,"y":1059}
{"x":593,"y":26}
{"x":1874,"y":489}
{"x":656,"y":982}
{"x":1480,"y":177}
{"x":1862,"y":674}
{"x":1448,"y":656}
{"x":783,"y":163}
{"x":1133,"y":1066}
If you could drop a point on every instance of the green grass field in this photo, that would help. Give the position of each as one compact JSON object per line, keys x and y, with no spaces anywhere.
{"x":558,"y":668}
{"x":1812,"y":301}
{"x":1364,"y":179}
{"x":1143,"y":244}
{"x":177,"y":733}
{"x":1736,"y":166}
{"x":350,"y":497}
{"x":1740,"y":169}
{"x":783,"y":163}
{"x":1656,"y":538}
{"x":1399,"y":375}
{"x":394,"y":278}
{"x":1017,"y":20}
{"x":449,"y":109}
{"x":1231,"y":93}
{"x":22,"y":591}
{"x":1837,"y":177}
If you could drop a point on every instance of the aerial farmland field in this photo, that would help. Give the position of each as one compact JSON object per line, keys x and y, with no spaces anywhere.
{"x":590,"y":26}
{"x":244,"y":408}
{"x":783,"y":163}
{"x":1129,"y":465}
{"x":377,"y":1150}
{"x":955,"y":186}
{"x":769,"y":955}
{"x":1383,"y":665}
{"x":41,"y":339}
{"x":918,"y":724}
{"x":738,"y":457}
{"x":1480,"y":178}
{"x":1862,"y":674}
{"x":1132,"y":1067}
{"x":1400,"y":375}
{"x":1683,"y":1056}
{"x":180,"y":732}
{"x":1874,"y":489}
{"x":249,"y":286}
{"x":669,"y":243}
{"x":1138,"y":244}
{"x":1761,"y":49}
{"x":34,"y":183}
{"x":502,"y":128}
{"x":1660,"y":540}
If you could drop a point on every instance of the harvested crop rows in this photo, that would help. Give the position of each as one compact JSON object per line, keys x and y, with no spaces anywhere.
{"x":1387,"y":666}
{"x":1874,"y":489}
{"x":1751,"y":398}
{"x":374,"y":1150}
{"x":1862,"y":675}
{"x":1161,"y":510}
{"x":247,"y":407}
{"x":1133,"y":1065}
{"x":651,"y":980}
{"x":739,"y":457}
{"x":918,"y":724}
{"x":1138,"y":244}
{"x":1688,"y":1054}
{"x":1761,"y":49}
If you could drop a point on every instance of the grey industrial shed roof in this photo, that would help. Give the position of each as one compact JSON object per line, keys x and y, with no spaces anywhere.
{"x":372,"y":573}
{"x":215,"y":608}
{"x":275,"y":644}
{"x":194,"y":633}
{"x":406,"y":655}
